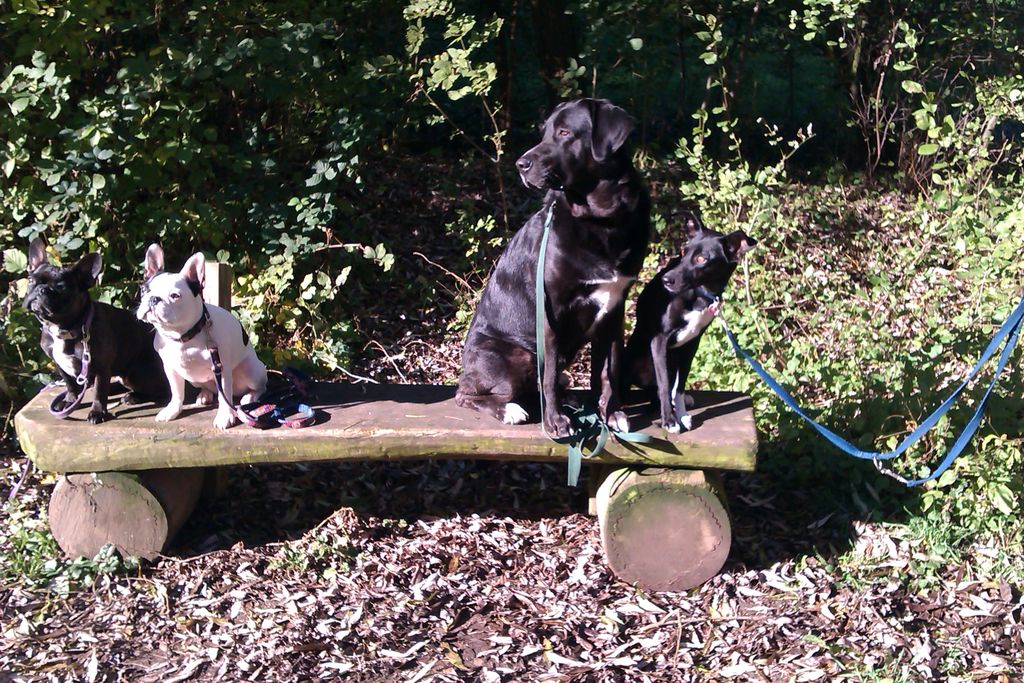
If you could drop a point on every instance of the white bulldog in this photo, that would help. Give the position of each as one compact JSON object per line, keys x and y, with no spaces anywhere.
{"x":188,"y":330}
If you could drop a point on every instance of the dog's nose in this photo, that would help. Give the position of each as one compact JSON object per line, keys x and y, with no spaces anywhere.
{"x":524,"y":164}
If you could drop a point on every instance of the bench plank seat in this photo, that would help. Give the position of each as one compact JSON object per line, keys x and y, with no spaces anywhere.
{"x":368,"y":422}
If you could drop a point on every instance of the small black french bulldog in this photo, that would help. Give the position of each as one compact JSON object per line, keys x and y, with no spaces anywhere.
{"x":75,"y":327}
{"x":672,"y":312}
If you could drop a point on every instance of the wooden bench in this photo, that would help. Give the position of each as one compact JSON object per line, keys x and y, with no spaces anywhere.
{"x":133,"y":481}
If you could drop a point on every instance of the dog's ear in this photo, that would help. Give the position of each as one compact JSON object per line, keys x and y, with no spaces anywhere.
{"x":195,"y":272}
{"x":692,"y":225}
{"x":736,"y":244}
{"x":89,"y":267}
{"x":37,"y":253}
{"x":610,"y":128}
{"x":154,"y":262}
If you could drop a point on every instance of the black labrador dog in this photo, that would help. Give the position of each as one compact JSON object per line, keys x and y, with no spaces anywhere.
{"x":600,"y":227}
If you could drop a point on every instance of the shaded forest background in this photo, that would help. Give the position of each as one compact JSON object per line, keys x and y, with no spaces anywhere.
{"x":328,"y":151}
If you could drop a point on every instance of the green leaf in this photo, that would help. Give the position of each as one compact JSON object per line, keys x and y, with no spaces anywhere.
{"x":912,"y":87}
{"x":636,"y":43}
{"x":922,"y":119}
{"x":709,"y":58}
{"x":98,"y":181}
{"x":9,"y":167}
{"x":928,"y":149}
{"x":1003,"y":498}
{"x":19,"y":105}
{"x":15,"y":261}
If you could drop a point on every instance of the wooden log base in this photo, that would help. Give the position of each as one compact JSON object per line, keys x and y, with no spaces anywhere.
{"x":663,"y":529}
{"x":138,"y":513}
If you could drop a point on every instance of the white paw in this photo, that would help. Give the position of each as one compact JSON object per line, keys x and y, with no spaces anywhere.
{"x":205,"y":397}
{"x":515,"y":414}
{"x":671,"y":428}
{"x":224,"y":419}
{"x":686,"y":422}
{"x":618,"y":422}
{"x":168,"y":413}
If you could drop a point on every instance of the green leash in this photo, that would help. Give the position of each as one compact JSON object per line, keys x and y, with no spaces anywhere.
{"x":587,"y":425}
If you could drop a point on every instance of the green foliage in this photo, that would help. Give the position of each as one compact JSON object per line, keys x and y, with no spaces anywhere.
{"x":237,"y":129}
{"x":325,"y":552}
{"x":33,"y":558}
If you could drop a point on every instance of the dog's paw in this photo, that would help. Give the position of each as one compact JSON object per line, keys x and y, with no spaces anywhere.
{"x":68,"y":401}
{"x":558,"y":425}
{"x":98,"y":416}
{"x":671,"y":426}
{"x":686,"y":422}
{"x":168,"y":413}
{"x":618,"y":421}
{"x":206,"y":397}
{"x":132,"y":399}
{"x":515,"y":414}
{"x":224,"y":419}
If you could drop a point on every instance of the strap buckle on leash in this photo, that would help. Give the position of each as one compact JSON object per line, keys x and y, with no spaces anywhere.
{"x":890,"y":473}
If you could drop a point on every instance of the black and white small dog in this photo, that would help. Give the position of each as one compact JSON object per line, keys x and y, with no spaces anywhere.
{"x":117,"y":343}
{"x":672,"y":312}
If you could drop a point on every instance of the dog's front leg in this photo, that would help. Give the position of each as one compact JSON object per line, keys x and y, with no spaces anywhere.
{"x":177,"y":384}
{"x":664,"y":379}
{"x":606,"y":356}
{"x":555,"y":421}
{"x":71,"y":385}
{"x":225,"y":410}
{"x":683,"y":360}
{"x":101,"y":389}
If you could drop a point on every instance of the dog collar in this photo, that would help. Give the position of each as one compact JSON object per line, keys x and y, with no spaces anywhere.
{"x":705,"y":293}
{"x":77,"y":332}
{"x":195,"y":329}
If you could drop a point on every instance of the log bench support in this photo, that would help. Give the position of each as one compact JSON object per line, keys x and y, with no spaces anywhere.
{"x":137,"y":512}
{"x":663,"y":529}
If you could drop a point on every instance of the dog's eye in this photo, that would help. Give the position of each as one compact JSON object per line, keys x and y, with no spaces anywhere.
{"x":174,"y":296}
{"x":564,"y":132}
{"x":699,"y":258}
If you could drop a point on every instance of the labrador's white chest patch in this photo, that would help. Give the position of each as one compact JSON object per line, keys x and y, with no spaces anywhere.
{"x":694,"y":323}
{"x":609,"y":293}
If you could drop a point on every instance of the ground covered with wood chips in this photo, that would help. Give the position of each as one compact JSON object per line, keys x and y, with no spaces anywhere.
{"x":488,"y":571}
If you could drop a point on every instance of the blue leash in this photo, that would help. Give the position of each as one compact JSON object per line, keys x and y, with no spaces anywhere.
{"x":587,"y":425}
{"x":1011,"y":329}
